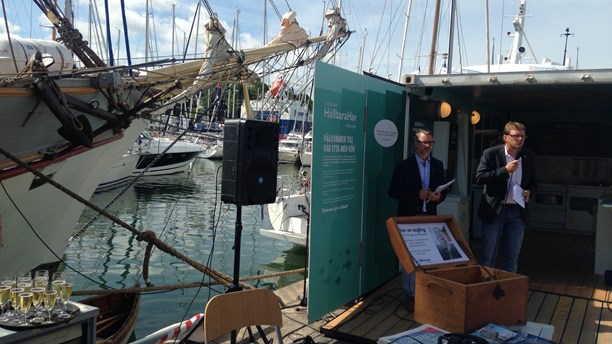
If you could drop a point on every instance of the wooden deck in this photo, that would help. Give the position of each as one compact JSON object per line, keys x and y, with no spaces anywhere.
{"x":563,"y":292}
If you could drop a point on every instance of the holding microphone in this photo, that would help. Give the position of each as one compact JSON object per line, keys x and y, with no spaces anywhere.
{"x":502,"y":169}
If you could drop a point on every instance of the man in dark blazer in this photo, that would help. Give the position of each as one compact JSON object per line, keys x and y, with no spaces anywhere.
{"x":414,"y":179}
{"x":413,"y":184}
{"x":508,"y":175}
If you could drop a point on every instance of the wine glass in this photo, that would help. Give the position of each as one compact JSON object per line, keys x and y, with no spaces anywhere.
{"x":24,"y":280}
{"x":14,"y":296}
{"x":24,"y":277}
{"x":41,"y":278}
{"x":25,"y":303}
{"x":49,"y":302}
{"x":9,"y":280}
{"x":58,"y":286}
{"x":65,"y":296}
{"x":58,"y":275}
{"x":5,"y":292}
{"x":25,"y":285}
{"x":37,"y":298}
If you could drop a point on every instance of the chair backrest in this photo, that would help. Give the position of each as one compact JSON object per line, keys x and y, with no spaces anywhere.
{"x":235,"y":310}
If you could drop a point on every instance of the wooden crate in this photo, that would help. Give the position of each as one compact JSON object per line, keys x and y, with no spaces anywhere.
{"x":452,"y":291}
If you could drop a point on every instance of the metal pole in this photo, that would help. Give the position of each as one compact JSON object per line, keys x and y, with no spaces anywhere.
{"x":237,"y":238}
{"x":401,"y":61}
{"x":487,"y":36}
{"x":451,"y":39}
{"x":434,"y":39}
{"x":566,"y":34}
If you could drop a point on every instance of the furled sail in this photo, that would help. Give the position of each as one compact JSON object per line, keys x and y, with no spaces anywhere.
{"x":221,"y":63}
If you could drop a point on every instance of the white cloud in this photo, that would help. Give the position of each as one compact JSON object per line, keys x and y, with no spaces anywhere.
{"x":384,"y":21}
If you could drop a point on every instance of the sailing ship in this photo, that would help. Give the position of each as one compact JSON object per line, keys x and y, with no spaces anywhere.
{"x":65,"y":128}
{"x":62,"y":129}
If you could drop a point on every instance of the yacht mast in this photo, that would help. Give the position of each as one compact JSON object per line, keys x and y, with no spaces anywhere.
{"x":434,"y":39}
{"x":111,"y":58}
{"x":127,"y":37}
{"x":147,"y":33}
{"x":173,"y":27}
{"x":451,"y":39}
{"x":401,"y":61}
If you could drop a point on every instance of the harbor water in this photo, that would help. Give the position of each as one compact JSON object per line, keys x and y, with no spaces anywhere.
{"x":183,"y":210}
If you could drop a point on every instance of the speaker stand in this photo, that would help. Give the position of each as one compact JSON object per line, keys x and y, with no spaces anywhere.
{"x":235,"y":286}
{"x":237,"y":239}
{"x":236,"y":280}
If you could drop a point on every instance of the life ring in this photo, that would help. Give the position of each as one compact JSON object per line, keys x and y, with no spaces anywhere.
{"x":181,"y":328}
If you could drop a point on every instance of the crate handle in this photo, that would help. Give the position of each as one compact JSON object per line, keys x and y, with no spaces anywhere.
{"x":431,"y":284}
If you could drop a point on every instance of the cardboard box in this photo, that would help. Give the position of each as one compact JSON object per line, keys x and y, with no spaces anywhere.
{"x":452,"y":291}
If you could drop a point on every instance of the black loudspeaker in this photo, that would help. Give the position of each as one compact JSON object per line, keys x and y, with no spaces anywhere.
{"x":250,"y":161}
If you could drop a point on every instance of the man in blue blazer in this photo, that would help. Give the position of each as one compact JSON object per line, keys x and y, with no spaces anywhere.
{"x":413,"y":183}
{"x":508,"y":175}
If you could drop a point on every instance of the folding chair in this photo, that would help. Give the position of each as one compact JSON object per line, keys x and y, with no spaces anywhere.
{"x":232,"y":311}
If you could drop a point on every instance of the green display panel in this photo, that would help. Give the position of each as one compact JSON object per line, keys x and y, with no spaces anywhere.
{"x":358,"y":126}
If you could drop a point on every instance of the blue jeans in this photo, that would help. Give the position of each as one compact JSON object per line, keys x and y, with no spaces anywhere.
{"x":509,"y":229}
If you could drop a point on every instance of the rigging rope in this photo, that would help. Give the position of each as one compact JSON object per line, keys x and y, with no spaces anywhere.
{"x":147,"y":236}
{"x":170,"y":287}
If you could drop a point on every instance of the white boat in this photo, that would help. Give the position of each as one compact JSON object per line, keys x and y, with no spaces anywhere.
{"x":306,"y":152}
{"x":290,"y":212}
{"x":161,"y":155}
{"x":289,"y":150}
{"x":121,"y":171}
{"x":518,"y":58}
{"x":306,"y":156}
{"x":292,"y":114}
{"x":212,"y":150}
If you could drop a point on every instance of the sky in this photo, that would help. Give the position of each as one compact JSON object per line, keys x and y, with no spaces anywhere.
{"x":377,"y":25}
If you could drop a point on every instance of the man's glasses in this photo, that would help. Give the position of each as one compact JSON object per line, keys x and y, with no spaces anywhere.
{"x":518,"y":137}
{"x":427,"y":143}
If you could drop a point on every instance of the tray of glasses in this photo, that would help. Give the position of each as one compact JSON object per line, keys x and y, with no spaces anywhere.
{"x":32,"y":319}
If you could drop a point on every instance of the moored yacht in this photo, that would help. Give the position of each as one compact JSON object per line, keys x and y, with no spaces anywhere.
{"x":161,"y":154}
